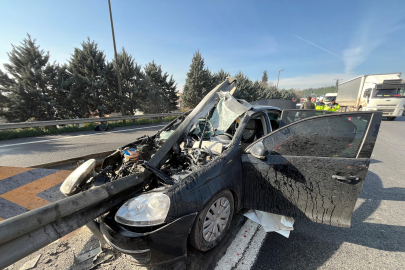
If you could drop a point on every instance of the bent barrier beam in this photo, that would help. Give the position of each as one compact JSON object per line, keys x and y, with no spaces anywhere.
{"x":28,"y":232}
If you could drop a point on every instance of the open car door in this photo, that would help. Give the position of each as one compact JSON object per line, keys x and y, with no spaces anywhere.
{"x":313,"y":168}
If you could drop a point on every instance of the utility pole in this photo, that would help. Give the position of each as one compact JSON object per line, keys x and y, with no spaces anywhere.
{"x":337,"y":84}
{"x":116,"y":61}
{"x":279,"y":77}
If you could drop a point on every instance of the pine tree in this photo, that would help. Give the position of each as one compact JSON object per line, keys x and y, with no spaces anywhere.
{"x":245,"y":89}
{"x":198,"y":82}
{"x":265,"y":79}
{"x":167,"y":88}
{"x":220,"y":76}
{"x":133,"y":84}
{"x":91,"y":74}
{"x":26,"y":86}
{"x":259,"y":89}
{"x":155,"y":102}
{"x":287,"y":94}
{"x":63,"y":89}
{"x":269,"y":92}
{"x":273,"y":93}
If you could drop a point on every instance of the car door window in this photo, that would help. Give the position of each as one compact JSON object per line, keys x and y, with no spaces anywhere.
{"x":255,"y":129}
{"x":274,"y":118}
{"x":291,"y":116}
{"x":337,"y":136}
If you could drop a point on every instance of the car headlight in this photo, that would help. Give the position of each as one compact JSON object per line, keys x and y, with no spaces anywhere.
{"x":72,"y":183}
{"x":144,"y":210}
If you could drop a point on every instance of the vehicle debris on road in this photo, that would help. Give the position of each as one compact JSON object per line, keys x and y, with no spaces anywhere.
{"x":272,"y":222}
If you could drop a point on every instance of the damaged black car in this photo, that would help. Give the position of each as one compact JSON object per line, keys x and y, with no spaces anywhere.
{"x":225,"y":155}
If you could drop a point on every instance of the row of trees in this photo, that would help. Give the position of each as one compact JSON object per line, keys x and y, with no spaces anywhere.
{"x":318,"y":91}
{"x":200,"y":80}
{"x":32,"y":88}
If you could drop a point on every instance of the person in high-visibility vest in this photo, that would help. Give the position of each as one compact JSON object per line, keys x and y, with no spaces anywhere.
{"x":333,"y":106}
{"x":320,"y":106}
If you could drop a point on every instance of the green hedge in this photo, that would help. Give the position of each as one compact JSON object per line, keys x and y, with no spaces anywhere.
{"x":52,"y":130}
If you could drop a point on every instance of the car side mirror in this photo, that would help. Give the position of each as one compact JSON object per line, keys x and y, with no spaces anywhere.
{"x":258,"y":150}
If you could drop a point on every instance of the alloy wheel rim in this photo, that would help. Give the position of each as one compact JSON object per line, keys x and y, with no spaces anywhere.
{"x":216,"y":219}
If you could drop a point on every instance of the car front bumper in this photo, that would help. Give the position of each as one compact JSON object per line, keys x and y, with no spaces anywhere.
{"x":163,"y":245}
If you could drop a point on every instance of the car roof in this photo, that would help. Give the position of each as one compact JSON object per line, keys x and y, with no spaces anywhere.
{"x":257,"y":108}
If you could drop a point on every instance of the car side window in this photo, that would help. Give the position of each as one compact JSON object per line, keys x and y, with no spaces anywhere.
{"x":274,"y":118}
{"x":255,"y":129}
{"x":290,"y":116}
{"x":334,"y":136}
{"x":367,"y":92}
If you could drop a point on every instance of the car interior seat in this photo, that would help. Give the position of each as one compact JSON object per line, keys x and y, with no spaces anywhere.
{"x":253,"y":131}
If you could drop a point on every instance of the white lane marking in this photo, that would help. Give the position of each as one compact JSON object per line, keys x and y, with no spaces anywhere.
{"x":249,"y":258}
{"x":234,"y":253}
{"x":104,"y":133}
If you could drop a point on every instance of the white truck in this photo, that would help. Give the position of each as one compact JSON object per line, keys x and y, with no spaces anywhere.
{"x":374,"y":92}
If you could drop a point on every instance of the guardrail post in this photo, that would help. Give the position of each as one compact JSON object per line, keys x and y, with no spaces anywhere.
{"x":95,"y":229}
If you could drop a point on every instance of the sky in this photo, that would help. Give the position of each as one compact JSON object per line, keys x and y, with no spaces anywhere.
{"x":315,"y":42}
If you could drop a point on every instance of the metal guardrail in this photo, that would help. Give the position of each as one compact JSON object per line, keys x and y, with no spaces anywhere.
{"x":26,"y":233}
{"x":82,"y":120}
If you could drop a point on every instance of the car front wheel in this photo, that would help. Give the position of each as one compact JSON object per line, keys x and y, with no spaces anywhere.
{"x":391,"y":118}
{"x":212,"y":222}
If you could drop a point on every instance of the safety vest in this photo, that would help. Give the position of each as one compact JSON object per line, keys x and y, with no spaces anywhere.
{"x":332,"y":108}
{"x":319,"y":106}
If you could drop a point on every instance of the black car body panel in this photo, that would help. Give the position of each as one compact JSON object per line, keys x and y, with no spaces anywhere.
{"x":289,"y":186}
{"x":164,"y":244}
{"x":193,"y":193}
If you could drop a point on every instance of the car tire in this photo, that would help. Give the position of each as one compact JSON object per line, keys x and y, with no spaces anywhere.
{"x":391,"y":118}
{"x":201,"y":230}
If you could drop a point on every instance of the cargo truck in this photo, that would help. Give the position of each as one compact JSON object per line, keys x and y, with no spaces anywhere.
{"x":374,"y":92}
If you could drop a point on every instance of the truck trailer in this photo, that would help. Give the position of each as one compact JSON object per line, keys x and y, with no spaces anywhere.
{"x":374,"y":92}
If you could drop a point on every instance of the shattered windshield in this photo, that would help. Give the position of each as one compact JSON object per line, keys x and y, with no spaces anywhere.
{"x":221,"y":119}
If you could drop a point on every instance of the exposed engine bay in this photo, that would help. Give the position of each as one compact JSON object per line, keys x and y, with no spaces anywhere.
{"x":203,"y":143}
{"x":195,"y":151}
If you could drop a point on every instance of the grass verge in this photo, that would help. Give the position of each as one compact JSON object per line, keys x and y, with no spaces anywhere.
{"x":52,"y":130}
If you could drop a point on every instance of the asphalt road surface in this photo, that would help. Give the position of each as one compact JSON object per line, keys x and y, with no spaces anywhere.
{"x":33,"y":151}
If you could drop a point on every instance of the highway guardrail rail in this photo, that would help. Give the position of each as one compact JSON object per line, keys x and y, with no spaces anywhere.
{"x":83,"y":120}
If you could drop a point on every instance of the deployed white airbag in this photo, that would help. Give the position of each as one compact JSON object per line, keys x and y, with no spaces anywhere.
{"x":227,"y":111}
